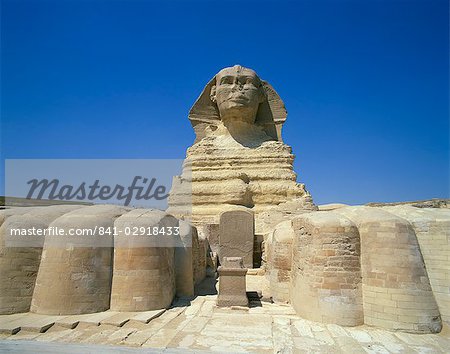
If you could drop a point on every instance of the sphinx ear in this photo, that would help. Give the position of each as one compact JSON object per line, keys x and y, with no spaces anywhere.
{"x":212,"y":95}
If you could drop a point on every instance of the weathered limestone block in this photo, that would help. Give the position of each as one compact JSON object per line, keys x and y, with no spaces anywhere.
{"x":199,"y":256}
{"x":76,"y":272}
{"x":144,"y":267}
{"x":232,"y":283}
{"x":396,"y":290}
{"x":279,"y":260}
{"x":236,"y":234}
{"x":7,"y":272}
{"x":20,"y":256}
{"x":432,"y":228}
{"x":326,"y":273}
{"x":210,"y":232}
{"x":238,"y":157}
{"x":184,"y":261}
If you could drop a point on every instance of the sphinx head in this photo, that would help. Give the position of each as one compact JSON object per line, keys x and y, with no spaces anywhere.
{"x":237,"y":92}
{"x":236,"y":98}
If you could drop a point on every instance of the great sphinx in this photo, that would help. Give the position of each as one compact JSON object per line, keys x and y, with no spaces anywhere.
{"x":238,"y":157}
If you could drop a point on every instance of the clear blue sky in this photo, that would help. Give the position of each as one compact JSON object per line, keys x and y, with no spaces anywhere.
{"x":365,"y":83}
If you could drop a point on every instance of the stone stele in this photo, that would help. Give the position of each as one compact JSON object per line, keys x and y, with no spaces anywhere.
{"x":236,"y":233}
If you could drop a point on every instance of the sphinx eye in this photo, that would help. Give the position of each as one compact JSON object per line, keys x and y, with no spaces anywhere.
{"x":227,"y":80}
{"x":248,"y":81}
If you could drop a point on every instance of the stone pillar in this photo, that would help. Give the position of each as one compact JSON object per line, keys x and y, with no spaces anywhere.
{"x":236,"y":235}
{"x":232,"y":284}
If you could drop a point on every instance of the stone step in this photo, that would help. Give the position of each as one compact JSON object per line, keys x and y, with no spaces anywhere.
{"x":36,"y":323}
{"x":8,"y":323}
{"x":147,"y":316}
{"x":88,"y":319}
{"x":11,"y":324}
{"x":29,"y":322}
{"x":118,"y":320}
{"x":69,"y":322}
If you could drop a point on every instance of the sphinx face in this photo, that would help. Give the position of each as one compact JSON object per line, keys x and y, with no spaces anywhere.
{"x":238,"y":93}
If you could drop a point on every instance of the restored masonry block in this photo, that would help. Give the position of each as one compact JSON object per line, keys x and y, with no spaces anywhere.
{"x":232,"y":284}
{"x":199,"y":255}
{"x":184,"y":261}
{"x":11,"y":300}
{"x":279,"y":260}
{"x":326,"y":273}
{"x":143,"y":274}
{"x":432,"y":228}
{"x":396,"y":290}
{"x":19,"y":263}
{"x":75,"y":273}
